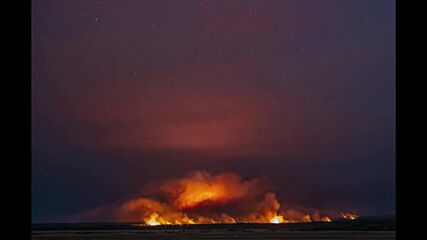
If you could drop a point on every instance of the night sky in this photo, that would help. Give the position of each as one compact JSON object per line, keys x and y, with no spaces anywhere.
{"x":126,"y":92}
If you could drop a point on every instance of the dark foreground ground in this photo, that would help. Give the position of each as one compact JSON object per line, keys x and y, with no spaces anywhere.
{"x":356,"y":229}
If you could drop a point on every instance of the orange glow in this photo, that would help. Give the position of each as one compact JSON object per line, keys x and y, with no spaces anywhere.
{"x":201,"y":187}
{"x":153,"y":220}
{"x":349,"y":216}
{"x":203,"y":198}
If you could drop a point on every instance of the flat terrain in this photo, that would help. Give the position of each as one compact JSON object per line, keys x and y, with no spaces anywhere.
{"x":247,"y":234}
{"x":357,"y":229}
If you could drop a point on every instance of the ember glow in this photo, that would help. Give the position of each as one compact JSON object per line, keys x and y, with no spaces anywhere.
{"x":204,"y":198}
{"x":350,"y":216}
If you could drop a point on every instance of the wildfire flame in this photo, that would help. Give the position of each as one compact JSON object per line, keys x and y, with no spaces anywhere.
{"x":349,"y":216}
{"x":277,"y":219}
{"x":201,"y":198}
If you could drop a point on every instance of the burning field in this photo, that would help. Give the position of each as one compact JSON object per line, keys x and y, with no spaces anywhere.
{"x":204,"y":198}
{"x":223,"y":206}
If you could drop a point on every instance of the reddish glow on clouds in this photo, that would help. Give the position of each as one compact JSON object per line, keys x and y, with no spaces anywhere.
{"x":179,"y":118}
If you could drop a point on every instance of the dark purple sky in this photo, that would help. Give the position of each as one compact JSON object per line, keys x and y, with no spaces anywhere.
{"x":125,"y":92}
